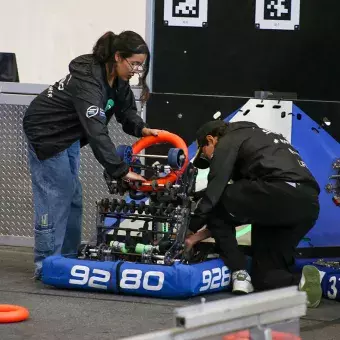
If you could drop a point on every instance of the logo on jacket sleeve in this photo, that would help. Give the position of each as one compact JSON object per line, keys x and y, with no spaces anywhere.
{"x":92,"y":111}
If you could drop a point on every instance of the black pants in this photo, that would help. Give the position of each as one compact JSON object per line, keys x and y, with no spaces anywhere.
{"x":280,"y":214}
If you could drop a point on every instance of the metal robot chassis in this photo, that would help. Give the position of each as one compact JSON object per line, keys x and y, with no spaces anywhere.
{"x":165,"y":205}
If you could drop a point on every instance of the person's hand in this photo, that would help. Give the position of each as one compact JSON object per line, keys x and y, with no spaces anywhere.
{"x":193,"y":239}
{"x":189,"y":242}
{"x":189,"y":233}
{"x":132,"y":176}
{"x":150,"y":132}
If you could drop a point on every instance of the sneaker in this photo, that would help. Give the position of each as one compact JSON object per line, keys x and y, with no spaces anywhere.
{"x":311,"y":284}
{"x":36,"y":278}
{"x":242,"y":282}
{"x":37,"y":273}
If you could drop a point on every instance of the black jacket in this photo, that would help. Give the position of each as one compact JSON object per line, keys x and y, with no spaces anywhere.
{"x":79,"y":107}
{"x":249,"y":152}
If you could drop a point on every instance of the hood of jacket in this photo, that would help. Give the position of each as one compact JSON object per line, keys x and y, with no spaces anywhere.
{"x":86,"y":68}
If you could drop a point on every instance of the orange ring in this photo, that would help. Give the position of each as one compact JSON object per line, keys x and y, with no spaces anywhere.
{"x":13,"y":313}
{"x":245,"y":335}
{"x":163,"y":137}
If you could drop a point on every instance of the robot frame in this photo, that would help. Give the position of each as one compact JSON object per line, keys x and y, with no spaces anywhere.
{"x":334,"y":188}
{"x":165,"y":203}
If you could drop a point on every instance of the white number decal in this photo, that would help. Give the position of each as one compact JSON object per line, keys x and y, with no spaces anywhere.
{"x":159,"y":277}
{"x":131,"y":278}
{"x":104,"y":279}
{"x":61,"y":84}
{"x":81,"y":272}
{"x":215,"y":278}
{"x":216,"y":281}
{"x":130,"y":275}
{"x":135,"y":276}
{"x":206,"y":279}
{"x":225,"y":276}
{"x":83,"y":275}
{"x":333,"y":293}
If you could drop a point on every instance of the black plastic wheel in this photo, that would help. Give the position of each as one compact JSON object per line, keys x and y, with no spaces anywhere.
{"x":141,"y":207}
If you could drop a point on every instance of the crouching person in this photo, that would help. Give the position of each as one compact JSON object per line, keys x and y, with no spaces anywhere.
{"x":272,"y":189}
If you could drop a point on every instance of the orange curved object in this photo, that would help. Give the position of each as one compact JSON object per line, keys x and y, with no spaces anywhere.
{"x":13,"y":313}
{"x":163,"y":137}
{"x":245,"y":335}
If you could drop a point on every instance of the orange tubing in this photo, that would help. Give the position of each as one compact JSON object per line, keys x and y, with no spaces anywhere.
{"x":13,"y":313}
{"x":245,"y":335}
{"x":163,"y":137}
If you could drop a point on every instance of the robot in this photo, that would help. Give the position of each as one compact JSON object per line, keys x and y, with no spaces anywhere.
{"x":334,"y":188}
{"x":165,"y":203}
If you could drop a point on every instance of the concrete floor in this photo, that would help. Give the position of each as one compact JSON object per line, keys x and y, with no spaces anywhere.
{"x":70,"y":315}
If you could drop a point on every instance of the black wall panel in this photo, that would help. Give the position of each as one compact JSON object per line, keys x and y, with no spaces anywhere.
{"x":231,"y":57}
{"x":184,"y":114}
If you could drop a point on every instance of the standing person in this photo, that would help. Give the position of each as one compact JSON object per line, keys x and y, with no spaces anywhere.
{"x":272,"y":189}
{"x":75,"y":111}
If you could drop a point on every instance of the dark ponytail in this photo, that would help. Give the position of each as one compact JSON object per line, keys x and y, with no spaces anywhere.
{"x":104,"y":48}
{"x":126,"y":43}
{"x":142,"y":81}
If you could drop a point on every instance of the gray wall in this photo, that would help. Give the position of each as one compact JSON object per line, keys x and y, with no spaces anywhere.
{"x":16,"y":206}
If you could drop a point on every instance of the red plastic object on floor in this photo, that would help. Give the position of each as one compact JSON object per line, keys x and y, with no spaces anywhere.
{"x":245,"y":335}
{"x":13,"y":313}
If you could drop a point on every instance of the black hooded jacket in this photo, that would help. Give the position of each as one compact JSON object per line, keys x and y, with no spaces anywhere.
{"x":249,"y":152}
{"x":79,"y":107}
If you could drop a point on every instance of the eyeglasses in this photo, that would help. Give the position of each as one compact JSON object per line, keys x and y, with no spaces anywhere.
{"x":137,"y":68}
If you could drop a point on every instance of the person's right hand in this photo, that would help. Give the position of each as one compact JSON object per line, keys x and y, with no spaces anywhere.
{"x":193,"y":239}
{"x":132,"y":176}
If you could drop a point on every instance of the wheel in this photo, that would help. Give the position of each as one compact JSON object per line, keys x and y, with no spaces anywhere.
{"x":176,"y":158}
{"x":152,"y":208}
{"x":106,"y":204}
{"x":141,"y":207}
{"x":120,"y":206}
{"x":132,"y":207}
{"x":114,"y":205}
{"x":125,"y":153}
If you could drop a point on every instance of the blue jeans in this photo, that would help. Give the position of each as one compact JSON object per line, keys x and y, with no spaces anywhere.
{"x":57,"y":198}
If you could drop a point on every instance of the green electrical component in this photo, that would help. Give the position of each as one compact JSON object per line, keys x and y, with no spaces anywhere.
{"x":165,"y":228}
{"x":119,"y":246}
{"x":143,"y":248}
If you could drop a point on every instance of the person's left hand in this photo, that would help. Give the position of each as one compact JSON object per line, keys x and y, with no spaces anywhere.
{"x":150,"y":132}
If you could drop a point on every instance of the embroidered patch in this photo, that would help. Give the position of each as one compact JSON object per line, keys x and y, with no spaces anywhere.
{"x":92,"y":111}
